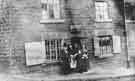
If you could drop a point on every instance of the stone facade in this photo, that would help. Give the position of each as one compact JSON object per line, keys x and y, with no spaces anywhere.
{"x":26,"y":26}
{"x":130,"y":27}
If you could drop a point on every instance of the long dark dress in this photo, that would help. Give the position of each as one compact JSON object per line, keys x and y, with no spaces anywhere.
{"x":82,"y":63}
{"x":65,"y":65}
{"x":85,"y":61}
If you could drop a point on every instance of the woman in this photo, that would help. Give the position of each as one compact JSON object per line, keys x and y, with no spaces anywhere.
{"x":79,"y":62}
{"x":85,"y":58}
{"x":82,"y":61}
{"x":65,"y":57}
{"x":72,"y":60}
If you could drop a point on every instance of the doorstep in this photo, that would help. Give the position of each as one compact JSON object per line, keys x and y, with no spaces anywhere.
{"x":93,"y":74}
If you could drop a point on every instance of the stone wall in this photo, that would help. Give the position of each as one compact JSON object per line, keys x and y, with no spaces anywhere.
{"x":26,"y":27}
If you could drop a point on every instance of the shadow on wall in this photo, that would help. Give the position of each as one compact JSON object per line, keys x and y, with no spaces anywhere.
{"x":130,"y":10}
{"x":4,"y":66}
{"x":120,"y":6}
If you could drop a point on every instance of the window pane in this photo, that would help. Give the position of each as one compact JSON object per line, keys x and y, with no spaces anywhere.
{"x":45,"y":14}
{"x":53,"y":48}
{"x":101,"y":11}
{"x":44,"y":6}
{"x":57,"y":11}
{"x":51,"y":9}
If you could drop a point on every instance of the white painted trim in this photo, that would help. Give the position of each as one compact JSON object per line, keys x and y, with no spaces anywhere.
{"x":108,"y":20}
{"x":52,"y":21}
{"x":130,"y":21}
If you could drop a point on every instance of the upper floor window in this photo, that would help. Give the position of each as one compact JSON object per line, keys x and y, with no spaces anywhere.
{"x":51,"y":10}
{"x":130,"y":11}
{"x":102,"y":11}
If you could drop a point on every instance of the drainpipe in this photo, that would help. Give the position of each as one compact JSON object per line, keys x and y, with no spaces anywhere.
{"x":125,"y":34}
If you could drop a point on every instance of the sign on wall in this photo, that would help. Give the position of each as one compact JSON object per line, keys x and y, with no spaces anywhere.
{"x":35,"y":53}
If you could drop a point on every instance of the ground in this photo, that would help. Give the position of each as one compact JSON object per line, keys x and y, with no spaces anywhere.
{"x":96,"y":74}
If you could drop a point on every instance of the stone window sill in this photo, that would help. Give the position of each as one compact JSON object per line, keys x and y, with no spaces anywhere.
{"x":49,"y":21}
{"x":130,"y":21}
{"x":104,"y":21}
{"x":49,"y":62}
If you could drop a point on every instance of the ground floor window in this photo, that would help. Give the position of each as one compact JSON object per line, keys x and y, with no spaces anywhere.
{"x":52,"y":49}
{"x":103,"y":45}
{"x":107,"y":45}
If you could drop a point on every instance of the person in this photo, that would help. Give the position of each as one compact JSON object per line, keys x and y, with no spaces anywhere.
{"x":79,"y":62}
{"x":65,"y":57}
{"x":85,"y":61}
{"x":70,"y":49}
{"x":85,"y":57}
{"x":82,"y":61}
{"x":72,"y":60}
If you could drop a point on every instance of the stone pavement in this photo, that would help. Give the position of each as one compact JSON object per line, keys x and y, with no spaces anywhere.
{"x":96,"y":73}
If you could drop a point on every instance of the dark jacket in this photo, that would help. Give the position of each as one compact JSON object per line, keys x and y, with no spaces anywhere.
{"x":65,"y":64}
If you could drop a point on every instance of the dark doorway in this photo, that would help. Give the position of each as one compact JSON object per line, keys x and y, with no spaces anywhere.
{"x":76,"y":40}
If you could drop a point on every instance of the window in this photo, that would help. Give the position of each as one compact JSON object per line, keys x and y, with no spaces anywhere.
{"x":102,"y":11}
{"x":130,"y":11}
{"x":104,"y":46}
{"x":52,"y":49}
{"x":107,"y":45}
{"x":51,"y":10}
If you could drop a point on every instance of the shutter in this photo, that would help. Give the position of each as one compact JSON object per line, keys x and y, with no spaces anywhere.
{"x":96,"y":46}
{"x":57,"y":9}
{"x":35,"y":53}
{"x":116,"y":44}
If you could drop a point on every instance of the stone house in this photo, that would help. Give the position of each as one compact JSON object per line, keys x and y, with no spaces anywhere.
{"x":130,"y":10}
{"x":99,"y":22}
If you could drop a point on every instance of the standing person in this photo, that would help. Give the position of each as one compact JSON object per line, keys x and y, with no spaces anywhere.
{"x":82,"y":61}
{"x":72,"y":58}
{"x":70,"y":49}
{"x":65,"y":57}
{"x":85,"y":58}
{"x":79,"y":62}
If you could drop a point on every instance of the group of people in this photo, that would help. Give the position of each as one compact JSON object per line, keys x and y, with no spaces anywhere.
{"x":74,"y":59}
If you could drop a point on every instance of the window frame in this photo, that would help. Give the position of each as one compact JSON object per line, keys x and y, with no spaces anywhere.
{"x":127,"y":7}
{"x":99,"y":50}
{"x":105,"y":11}
{"x":57,"y":15}
{"x":49,"y":58}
